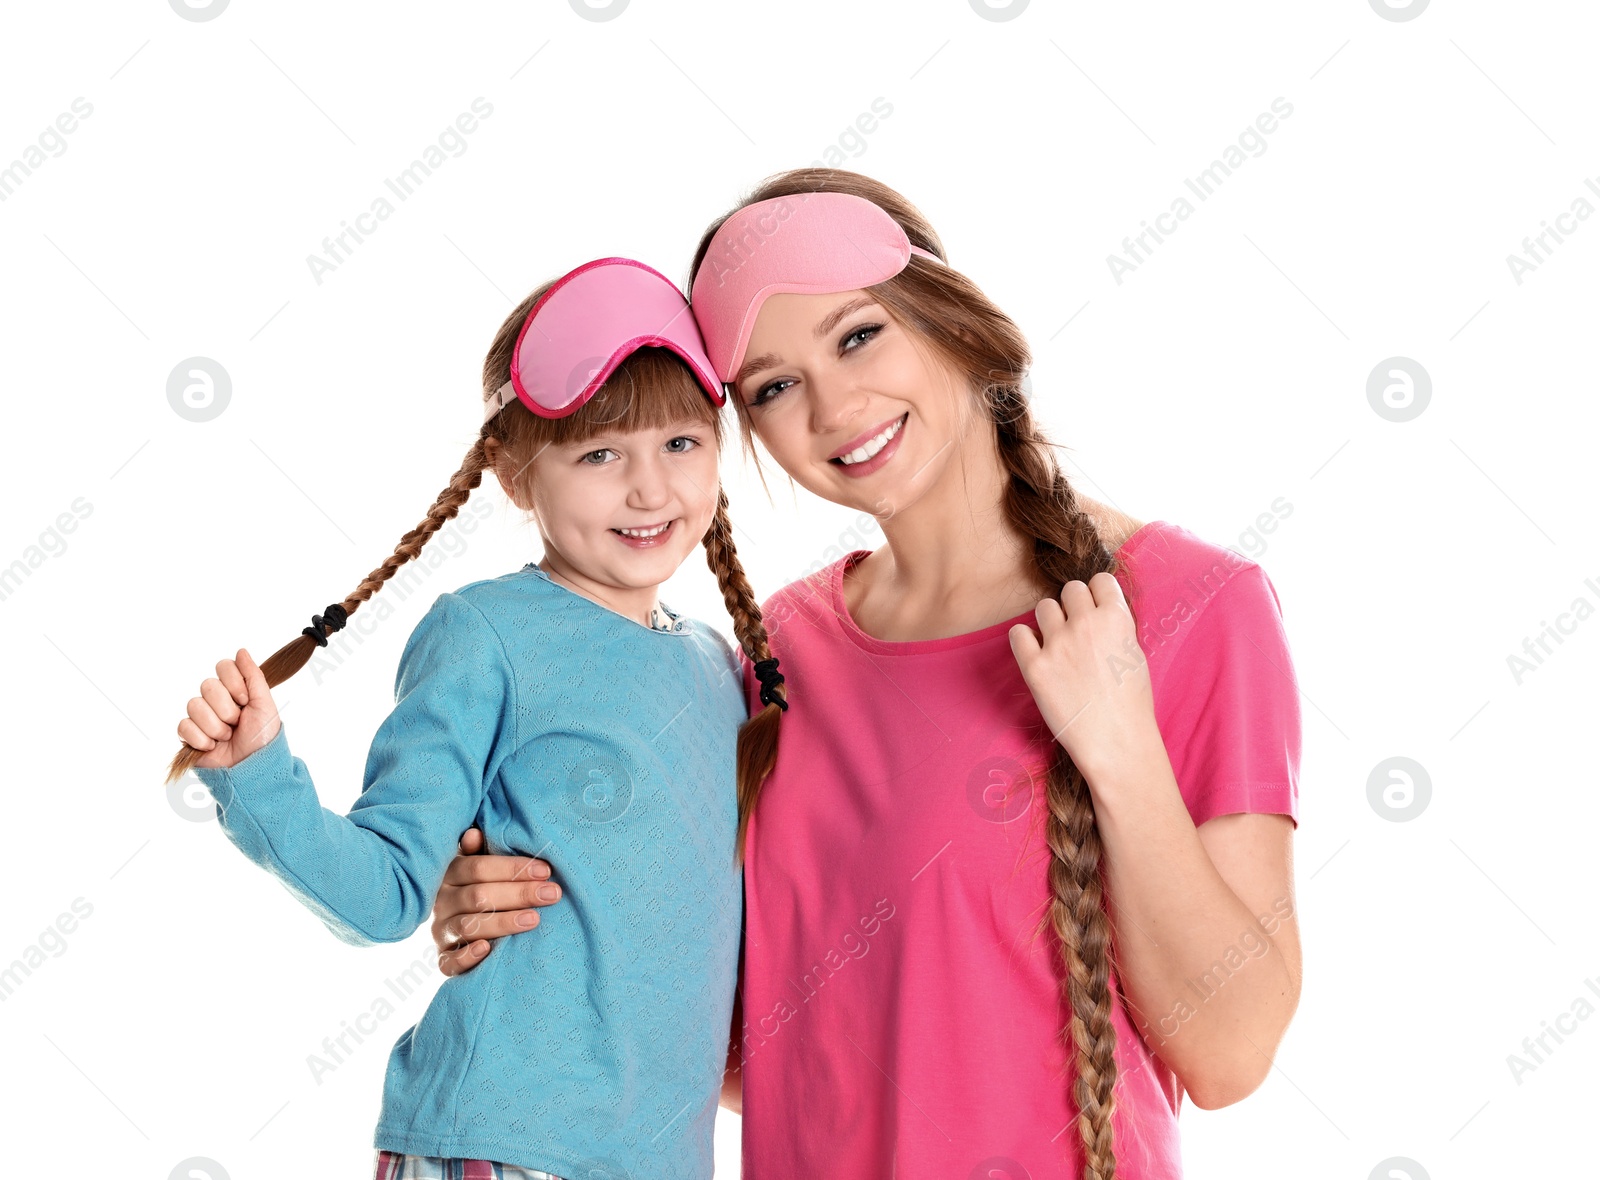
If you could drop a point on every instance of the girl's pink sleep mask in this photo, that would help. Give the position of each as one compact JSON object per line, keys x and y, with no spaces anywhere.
{"x":587,"y":324}
{"x":809,"y":244}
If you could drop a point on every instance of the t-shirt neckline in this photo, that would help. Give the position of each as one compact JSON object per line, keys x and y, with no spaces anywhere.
{"x":902,"y":647}
{"x":679,"y":625}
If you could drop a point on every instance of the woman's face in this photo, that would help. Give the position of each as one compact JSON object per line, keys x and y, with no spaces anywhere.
{"x":848,"y":404}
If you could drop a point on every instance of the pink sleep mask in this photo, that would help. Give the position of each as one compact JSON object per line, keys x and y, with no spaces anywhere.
{"x":590,"y":321}
{"x":808,"y":244}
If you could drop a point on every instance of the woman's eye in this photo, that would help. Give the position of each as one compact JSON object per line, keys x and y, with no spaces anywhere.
{"x":862,"y":334}
{"x":865,"y":332}
{"x":767,"y":392}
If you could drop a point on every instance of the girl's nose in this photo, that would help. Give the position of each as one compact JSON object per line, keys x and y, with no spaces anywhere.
{"x":651,"y":482}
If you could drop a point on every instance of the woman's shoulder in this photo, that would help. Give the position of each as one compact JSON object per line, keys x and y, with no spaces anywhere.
{"x":1170,"y":558}
{"x":1163,"y":552}
{"x":815,"y":584}
{"x":1180,"y":584}
{"x":1114,"y":525}
{"x":1123,"y":534}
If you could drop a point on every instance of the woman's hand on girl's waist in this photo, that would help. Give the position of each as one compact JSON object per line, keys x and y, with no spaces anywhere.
{"x":484,"y":898}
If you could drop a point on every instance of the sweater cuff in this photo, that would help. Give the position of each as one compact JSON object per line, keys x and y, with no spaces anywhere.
{"x":272,"y":762}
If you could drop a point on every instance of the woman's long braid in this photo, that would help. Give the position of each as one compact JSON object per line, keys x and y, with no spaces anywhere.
{"x":1040,"y":502}
{"x":758,"y":737}
{"x":293,"y":656}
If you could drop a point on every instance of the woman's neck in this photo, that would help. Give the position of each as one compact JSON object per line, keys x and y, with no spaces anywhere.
{"x":954,"y":562}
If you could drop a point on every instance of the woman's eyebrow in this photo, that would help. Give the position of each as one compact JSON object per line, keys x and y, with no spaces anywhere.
{"x":831,"y":321}
{"x":827,"y":324}
{"x":755,"y":365}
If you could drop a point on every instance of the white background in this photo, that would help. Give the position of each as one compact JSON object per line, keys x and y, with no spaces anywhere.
{"x":1228,"y":370}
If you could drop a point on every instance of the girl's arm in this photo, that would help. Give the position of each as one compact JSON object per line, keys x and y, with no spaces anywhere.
{"x":371,"y":875}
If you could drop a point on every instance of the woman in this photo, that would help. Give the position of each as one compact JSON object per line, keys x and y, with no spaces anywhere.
{"x":1009,"y":893}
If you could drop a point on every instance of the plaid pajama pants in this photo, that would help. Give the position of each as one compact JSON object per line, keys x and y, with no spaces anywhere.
{"x":392,"y":1166}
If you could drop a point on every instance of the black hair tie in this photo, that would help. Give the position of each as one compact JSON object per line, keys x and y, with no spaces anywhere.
{"x":332,"y":619}
{"x":767,"y":672}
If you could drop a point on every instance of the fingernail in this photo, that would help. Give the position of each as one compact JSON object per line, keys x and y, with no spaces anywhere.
{"x":549,"y":892}
{"x":527,"y":918}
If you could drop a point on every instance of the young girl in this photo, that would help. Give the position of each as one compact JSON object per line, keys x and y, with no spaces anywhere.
{"x":567,"y":712}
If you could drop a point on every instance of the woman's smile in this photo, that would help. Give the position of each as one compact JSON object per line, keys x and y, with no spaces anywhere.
{"x":866,"y":454}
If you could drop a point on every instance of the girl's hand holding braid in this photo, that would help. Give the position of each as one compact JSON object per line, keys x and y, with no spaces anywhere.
{"x":234,"y":715}
{"x":482,"y":898}
{"x":1089,"y":676}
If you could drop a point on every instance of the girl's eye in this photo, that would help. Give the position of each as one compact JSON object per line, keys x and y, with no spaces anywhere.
{"x":683,"y":438}
{"x":864,"y":333}
{"x":601,"y":451}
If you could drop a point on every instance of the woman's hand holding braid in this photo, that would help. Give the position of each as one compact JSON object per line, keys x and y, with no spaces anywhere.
{"x":1089,"y":676}
{"x":234,"y":715}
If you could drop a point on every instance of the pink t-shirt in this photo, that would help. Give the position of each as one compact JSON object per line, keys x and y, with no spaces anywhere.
{"x":902,"y":1015}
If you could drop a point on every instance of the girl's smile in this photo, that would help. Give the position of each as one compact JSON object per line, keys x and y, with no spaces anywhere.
{"x":647,"y":536}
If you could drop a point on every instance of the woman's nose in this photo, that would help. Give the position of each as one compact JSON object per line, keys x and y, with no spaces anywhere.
{"x":836,"y":402}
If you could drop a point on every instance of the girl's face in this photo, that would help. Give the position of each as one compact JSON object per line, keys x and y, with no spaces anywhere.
{"x":583,"y":495}
{"x":848,"y":405}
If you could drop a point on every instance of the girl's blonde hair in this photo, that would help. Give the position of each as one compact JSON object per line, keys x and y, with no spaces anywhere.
{"x":947,"y":312}
{"x":651,"y":389}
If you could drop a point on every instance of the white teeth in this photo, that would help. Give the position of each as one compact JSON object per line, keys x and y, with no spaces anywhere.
{"x":660,"y":528}
{"x":873,"y":445}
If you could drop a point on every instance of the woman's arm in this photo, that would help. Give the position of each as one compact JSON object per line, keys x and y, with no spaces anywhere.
{"x":1207,"y":934}
{"x":1207,"y":945}
{"x":733,"y":1074}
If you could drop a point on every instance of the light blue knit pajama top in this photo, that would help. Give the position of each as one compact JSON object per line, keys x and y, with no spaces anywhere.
{"x":563,"y":730}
